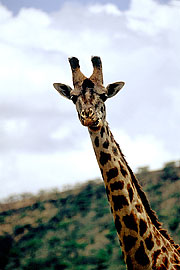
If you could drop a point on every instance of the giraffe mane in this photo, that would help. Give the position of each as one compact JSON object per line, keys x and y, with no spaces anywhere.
{"x":151,"y":213}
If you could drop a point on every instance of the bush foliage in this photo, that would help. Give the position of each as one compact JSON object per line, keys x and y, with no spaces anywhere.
{"x":75,"y":229}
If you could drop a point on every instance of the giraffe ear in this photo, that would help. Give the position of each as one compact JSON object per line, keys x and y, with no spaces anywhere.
{"x":63,"y":89}
{"x":114,"y":88}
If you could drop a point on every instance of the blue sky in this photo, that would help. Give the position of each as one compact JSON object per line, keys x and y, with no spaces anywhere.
{"x":54,"y":5}
{"x":43,"y":144}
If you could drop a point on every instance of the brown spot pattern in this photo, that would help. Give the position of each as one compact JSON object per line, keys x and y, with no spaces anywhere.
{"x":129,"y":263}
{"x":139,"y":208}
{"x":158,"y":242}
{"x":141,"y":256}
{"x":112,"y":173}
{"x":130,"y":222}
{"x":155,"y":257}
{"x":119,"y":202}
{"x":161,"y":267}
{"x":118,"y":224}
{"x":102,"y":132}
{"x":130,"y":191}
{"x":149,"y":242}
{"x":104,"y":158}
{"x":112,"y":138}
{"x":164,"y":250}
{"x":101,"y":172}
{"x":123,"y":170}
{"x":129,"y":242}
{"x":165,"y":262}
{"x":115,"y":150}
{"x":176,"y":261}
{"x":107,"y":130}
{"x":106,"y":144}
{"x":142,"y":227}
{"x":96,"y":142}
{"x":117,"y":185}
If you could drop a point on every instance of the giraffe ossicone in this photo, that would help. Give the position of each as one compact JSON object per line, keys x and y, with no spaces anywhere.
{"x":144,"y":243}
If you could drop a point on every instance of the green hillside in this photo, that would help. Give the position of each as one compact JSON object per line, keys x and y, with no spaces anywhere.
{"x":74,"y":229}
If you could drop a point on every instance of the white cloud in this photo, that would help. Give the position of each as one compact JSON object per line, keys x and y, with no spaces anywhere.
{"x":5,"y":14}
{"x":153,"y":18}
{"x":143,"y":150}
{"x":14,"y":30}
{"x":109,"y":9}
{"x":28,"y":172}
{"x":175,"y":97}
{"x":42,"y":140}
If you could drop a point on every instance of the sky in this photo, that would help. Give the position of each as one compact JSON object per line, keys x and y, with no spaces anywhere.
{"x":42,"y":143}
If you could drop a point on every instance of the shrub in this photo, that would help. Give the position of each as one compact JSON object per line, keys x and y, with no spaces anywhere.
{"x":18,"y":229}
{"x":100,"y":191}
{"x":102,"y":259}
{"x":169,"y":172}
{"x":173,"y":224}
{"x":2,"y":219}
{"x":6,"y":243}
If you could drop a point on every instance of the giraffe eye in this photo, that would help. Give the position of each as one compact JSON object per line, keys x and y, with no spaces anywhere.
{"x":74,"y":98}
{"x":103,"y":97}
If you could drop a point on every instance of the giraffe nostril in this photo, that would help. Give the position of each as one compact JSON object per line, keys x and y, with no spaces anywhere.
{"x":90,"y":112}
{"x":83,"y":114}
{"x":87,"y":113}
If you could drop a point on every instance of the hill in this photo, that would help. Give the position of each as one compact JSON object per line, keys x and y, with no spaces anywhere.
{"x":74,"y":229}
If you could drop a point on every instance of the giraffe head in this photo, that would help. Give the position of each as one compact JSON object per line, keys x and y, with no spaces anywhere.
{"x":89,"y":94}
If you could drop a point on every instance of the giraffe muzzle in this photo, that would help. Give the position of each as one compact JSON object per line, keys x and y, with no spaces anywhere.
{"x":87,"y":122}
{"x":88,"y":118}
{"x":90,"y":123}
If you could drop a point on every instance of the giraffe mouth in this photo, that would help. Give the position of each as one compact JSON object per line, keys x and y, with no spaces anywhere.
{"x":96,"y":123}
{"x":90,"y":122}
{"x":96,"y":126}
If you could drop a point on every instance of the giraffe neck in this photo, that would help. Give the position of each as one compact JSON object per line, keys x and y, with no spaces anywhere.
{"x":138,"y":229}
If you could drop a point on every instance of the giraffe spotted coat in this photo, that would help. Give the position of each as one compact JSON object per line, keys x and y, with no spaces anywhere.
{"x":145,"y":244}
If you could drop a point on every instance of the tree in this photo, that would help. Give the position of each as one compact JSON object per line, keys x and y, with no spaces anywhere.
{"x":169,"y":172}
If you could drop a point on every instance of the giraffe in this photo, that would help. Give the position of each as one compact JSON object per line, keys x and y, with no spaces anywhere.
{"x":144,"y":243}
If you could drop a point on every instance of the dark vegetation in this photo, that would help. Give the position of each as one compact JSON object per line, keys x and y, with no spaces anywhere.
{"x":74,"y":229}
